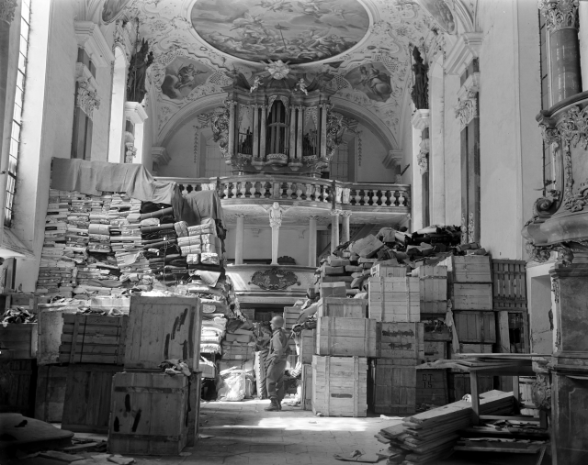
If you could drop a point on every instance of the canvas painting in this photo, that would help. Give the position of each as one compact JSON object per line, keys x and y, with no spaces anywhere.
{"x":372,"y":79}
{"x":183,"y":75}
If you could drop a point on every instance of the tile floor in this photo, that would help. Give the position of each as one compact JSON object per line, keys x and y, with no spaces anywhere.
{"x":243,"y":433}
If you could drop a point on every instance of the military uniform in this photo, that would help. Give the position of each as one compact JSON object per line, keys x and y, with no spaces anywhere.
{"x":277,"y":357}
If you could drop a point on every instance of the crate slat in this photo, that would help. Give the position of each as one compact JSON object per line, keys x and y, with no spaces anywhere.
{"x":21,"y":339}
{"x":349,"y":308}
{"x":468,"y":269}
{"x":346,"y":336}
{"x":475,"y":326}
{"x":306,"y":394}
{"x":471,"y":296}
{"x":51,"y":386}
{"x":394,"y":299}
{"x":509,"y":284}
{"x":394,"y":389}
{"x":432,"y":387}
{"x":400,"y":343}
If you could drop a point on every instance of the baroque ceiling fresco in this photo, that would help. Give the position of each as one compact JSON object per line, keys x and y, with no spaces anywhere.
{"x":360,"y":48}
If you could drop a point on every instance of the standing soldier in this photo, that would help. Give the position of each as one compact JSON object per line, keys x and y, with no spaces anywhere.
{"x":278,"y":354}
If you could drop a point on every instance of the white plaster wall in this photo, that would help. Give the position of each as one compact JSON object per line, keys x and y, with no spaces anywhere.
{"x":413,"y":177}
{"x":48,"y":122}
{"x":452,"y":155}
{"x":370,"y":168}
{"x":180,"y":149}
{"x":540,"y":304}
{"x":101,"y":116}
{"x":509,"y":100}
{"x":437,"y":149}
{"x":293,"y":243}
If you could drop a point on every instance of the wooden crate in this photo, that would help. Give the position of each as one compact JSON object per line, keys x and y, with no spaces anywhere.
{"x":394,"y":299}
{"x":474,"y":348}
{"x":348,"y":308}
{"x":336,"y":289}
{"x":339,"y":386}
{"x":468,"y":269}
{"x":25,"y":300}
{"x":88,"y":390}
{"x":387,"y":271}
{"x":162,"y":328}
{"x":18,"y":380}
{"x":346,"y":337}
{"x":51,"y":386}
{"x":395,"y":389}
{"x":476,"y":327}
{"x":435,"y":350}
{"x":307,"y":345}
{"x":437,"y":330}
{"x":93,"y":339}
{"x":140,"y":422}
{"x":433,"y":308}
{"x":400,"y":343}
{"x":509,"y":284}
{"x":291,"y":315}
{"x":237,"y":351}
{"x":433,"y":283}
{"x":195,"y":390}
{"x":513,"y":332}
{"x":20,"y":339}
{"x":432,"y":388}
{"x":471,"y":296}
{"x":459,"y":385}
{"x":306,"y":394}
{"x":50,"y":330}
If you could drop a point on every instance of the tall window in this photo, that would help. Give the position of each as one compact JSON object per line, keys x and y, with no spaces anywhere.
{"x":13,"y":153}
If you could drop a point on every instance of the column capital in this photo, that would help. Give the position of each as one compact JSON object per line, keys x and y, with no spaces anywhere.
{"x":7,"y":8}
{"x":336,"y":212}
{"x":346,"y":213}
{"x":240,"y":215}
{"x":559,"y":14}
{"x":314,"y":217}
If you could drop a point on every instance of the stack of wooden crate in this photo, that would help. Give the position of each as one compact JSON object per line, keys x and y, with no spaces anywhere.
{"x":345,"y":339}
{"x":159,"y":329}
{"x":394,"y":302}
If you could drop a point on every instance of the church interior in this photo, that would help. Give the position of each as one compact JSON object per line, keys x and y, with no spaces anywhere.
{"x":293,"y":231}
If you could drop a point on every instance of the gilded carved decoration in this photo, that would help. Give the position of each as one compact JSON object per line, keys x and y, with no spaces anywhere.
{"x":274,"y":279}
{"x":7,"y":8}
{"x":219,"y":123}
{"x":560,"y":14}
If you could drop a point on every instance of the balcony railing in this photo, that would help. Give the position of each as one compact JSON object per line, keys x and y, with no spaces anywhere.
{"x":300,"y":189}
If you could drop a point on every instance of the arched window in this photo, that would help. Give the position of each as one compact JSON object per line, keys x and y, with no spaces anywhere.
{"x":117,"y":107}
{"x":276,"y":128}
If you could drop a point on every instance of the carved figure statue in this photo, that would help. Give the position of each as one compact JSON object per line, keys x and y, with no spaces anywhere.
{"x":256,"y":83}
{"x":420,"y":90}
{"x":219,"y":124}
{"x":140,"y":61}
{"x":335,"y":131}
{"x":275,"y":214}
{"x":301,"y":86}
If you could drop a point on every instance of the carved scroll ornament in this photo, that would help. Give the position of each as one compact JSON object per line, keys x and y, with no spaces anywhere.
{"x":274,"y":279}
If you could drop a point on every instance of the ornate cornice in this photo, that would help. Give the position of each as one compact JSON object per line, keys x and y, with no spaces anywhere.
{"x":90,"y":38}
{"x":87,"y":97}
{"x":463,"y":52}
{"x":7,"y":9}
{"x":559,"y":14}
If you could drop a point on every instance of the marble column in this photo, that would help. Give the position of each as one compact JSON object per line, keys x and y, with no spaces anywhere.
{"x":312,"y":240}
{"x":275,"y":218}
{"x":564,"y":47}
{"x":232,"y":119}
{"x":239,"y":236}
{"x":263,"y":122}
{"x":255,"y":131}
{"x":335,"y":229}
{"x":346,"y":214}
{"x":569,"y":391}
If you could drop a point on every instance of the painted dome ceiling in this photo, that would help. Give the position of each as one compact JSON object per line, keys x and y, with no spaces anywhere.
{"x":363,"y":47}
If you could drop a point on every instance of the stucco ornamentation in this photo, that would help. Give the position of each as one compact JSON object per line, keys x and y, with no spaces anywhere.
{"x":274,"y":279}
{"x":423,"y":156}
{"x":464,"y":229}
{"x":276,"y":214}
{"x":7,"y":8}
{"x":550,"y":135}
{"x":541,"y":392}
{"x":560,"y":14}
{"x":87,"y":98}
{"x":539,"y":254}
{"x":335,"y":131}
{"x":219,"y":124}
{"x":278,"y":69}
{"x":466,"y":110}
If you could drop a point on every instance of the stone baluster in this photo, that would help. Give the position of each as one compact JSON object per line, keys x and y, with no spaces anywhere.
{"x":234,"y":190}
{"x":402,"y":200}
{"x":253,"y":190}
{"x":289,"y":190}
{"x":243,"y":189}
{"x":299,"y":190}
{"x":225,"y":189}
{"x":310,"y":190}
{"x":376,"y":198}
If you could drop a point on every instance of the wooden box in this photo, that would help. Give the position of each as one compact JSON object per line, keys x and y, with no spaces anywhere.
{"x":395,"y":389}
{"x":459,"y":385}
{"x":432,"y":388}
{"x":20,"y":339}
{"x":232,"y":351}
{"x":348,"y":308}
{"x":306,"y":394}
{"x":50,"y":329}
{"x":509,"y":279}
{"x":400,"y":343}
{"x":433,"y":307}
{"x":437,"y":330}
{"x":87,"y":393}
{"x":339,"y":386}
{"x":336,"y":289}
{"x":346,"y":337}
{"x":394,"y":299}
{"x":291,"y":315}
{"x":435,"y":350}
{"x":18,"y":380}
{"x":387,"y":271}
{"x":195,"y":391}
{"x":468,"y":269}
{"x":150,"y":414}
{"x":465,"y":348}
{"x":476,"y":327}
{"x":93,"y":339}
{"x":513,"y":332}
{"x":162,"y":328}
{"x":25,"y":300}
{"x":51,"y":386}
{"x":433,"y":283}
{"x":307,"y":345}
{"x":471,"y":296}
